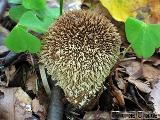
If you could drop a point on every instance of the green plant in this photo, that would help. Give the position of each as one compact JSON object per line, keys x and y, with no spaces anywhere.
{"x":32,"y":15}
{"x":144,"y":38}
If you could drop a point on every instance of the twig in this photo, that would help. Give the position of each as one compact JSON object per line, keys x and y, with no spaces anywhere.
{"x":127,"y":59}
{"x":125,"y":51}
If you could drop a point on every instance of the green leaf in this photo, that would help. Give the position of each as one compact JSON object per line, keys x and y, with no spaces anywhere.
{"x":16,"y":12}
{"x":144,"y":38}
{"x":30,"y":20}
{"x":48,"y":16}
{"x":49,"y":12}
{"x":19,"y":40}
{"x":34,"y":4}
{"x":15,"y":1}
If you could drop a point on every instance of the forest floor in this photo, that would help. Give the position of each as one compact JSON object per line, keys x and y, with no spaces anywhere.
{"x":133,"y":84}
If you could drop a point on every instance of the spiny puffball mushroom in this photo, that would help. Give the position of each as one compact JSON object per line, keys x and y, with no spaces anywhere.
{"x":79,"y":51}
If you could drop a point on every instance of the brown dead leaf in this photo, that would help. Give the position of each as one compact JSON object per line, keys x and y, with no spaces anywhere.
{"x":22,"y":96}
{"x":14,"y":107}
{"x":155,"y":60}
{"x":31,"y":82}
{"x":155,"y":97}
{"x":150,"y":73}
{"x":117,"y":94}
{"x":121,"y":83}
{"x":140,"y":85}
{"x":10,"y":73}
{"x":150,"y":13}
{"x":133,"y":68}
{"x":39,"y":109}
{"x":155,"y":11}
{"x":36,"y":106}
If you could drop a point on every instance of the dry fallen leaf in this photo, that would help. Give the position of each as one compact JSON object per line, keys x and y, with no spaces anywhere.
{"x":117,"y":94}
{"x":31,"y":82}
{"x":39,"y":109}
{"x":155,"y":97}
{"x":150,"y":73}
{"x":36,"y":106}
{"x":155,"y":11}
{"x":155,"y":60}
{"x":121,"y":83}
{"x":140,"y":85}
{"x":22,"y":96}
{"x":10,"y":72}
{"x":15,"y":105}
{"x":133,"y":68}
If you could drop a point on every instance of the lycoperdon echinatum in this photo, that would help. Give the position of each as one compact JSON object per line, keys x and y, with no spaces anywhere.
{"x":78,"y":51}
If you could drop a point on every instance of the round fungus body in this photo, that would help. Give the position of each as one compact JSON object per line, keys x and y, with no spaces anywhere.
{"x":79,"y":51}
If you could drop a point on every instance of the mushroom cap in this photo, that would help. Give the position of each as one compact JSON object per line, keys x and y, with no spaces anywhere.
{"x":79,"y":51}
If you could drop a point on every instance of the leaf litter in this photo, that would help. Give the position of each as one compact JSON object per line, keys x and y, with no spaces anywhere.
{"x":136,"y":81}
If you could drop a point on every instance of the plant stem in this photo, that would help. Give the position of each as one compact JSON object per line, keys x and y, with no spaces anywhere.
{"x":61,"y":7}
{"x":126,"y":50}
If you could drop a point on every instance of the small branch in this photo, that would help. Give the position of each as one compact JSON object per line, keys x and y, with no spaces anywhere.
{"x":126,"y":50}
{"x":127,"y":59}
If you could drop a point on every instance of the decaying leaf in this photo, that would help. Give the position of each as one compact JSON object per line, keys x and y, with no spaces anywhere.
{"x":150,"y":73}
{"x":155,"y":60}
{"x":133,"y":68}
{"x":10,"y":72}
{"x":36,"y":106}
{"x":140,"y":85}
{"x":15,"y":105}
{"x":3,"y":33}
{"x":155,"y":97}
{"x":22,"y":96}
{"x":155,"y":11}
{"x":121,"y":83}
{"x":31,"y":82}
{"x":122,"y":9}
{"x":117,"y":94}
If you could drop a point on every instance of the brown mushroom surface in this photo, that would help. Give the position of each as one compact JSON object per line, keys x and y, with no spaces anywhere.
{"x":79,"y":51}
